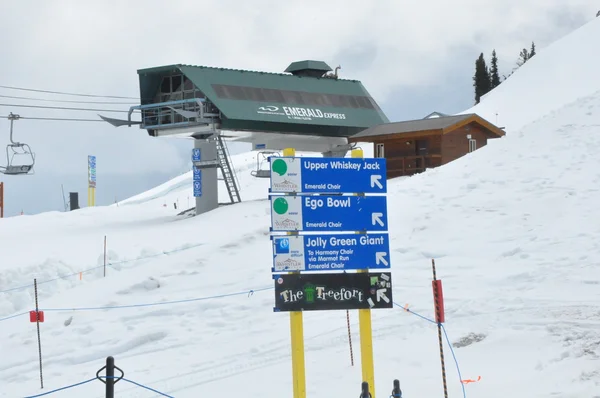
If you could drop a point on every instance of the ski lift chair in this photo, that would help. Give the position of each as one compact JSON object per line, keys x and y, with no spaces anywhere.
{"x":18,"y":169}
{"x":262,"y":157}
{"x":17,"y":148}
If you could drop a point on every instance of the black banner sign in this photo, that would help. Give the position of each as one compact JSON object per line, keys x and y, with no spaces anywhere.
{"x":333,"y":291}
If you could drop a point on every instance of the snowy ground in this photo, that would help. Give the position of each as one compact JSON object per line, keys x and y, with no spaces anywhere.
{"x":513,"y":228}
{"x":514,"y":240}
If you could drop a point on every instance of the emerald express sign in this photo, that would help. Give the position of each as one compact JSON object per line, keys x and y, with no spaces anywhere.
{"x":298,"y":113}
{"x":333,"y":291}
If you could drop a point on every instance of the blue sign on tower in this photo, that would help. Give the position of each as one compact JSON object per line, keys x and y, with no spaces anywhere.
{"x":196,"y":155}
{"x":197,"y":182}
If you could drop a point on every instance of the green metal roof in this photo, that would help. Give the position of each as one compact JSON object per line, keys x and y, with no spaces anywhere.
{"x":277,"y":102}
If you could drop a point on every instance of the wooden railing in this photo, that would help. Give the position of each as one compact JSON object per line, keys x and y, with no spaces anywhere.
{"x":409,"y":165}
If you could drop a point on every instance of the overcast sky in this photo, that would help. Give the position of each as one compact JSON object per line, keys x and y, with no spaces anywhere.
{"x":414,"y":57}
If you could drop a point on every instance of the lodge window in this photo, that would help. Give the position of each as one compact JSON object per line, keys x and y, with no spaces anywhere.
{"x":293,"y":97}
{"x":472,"y":145}
{"x":379,"y":151}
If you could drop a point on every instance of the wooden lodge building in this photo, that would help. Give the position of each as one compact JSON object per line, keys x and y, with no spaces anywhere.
{"x":412,"y":146}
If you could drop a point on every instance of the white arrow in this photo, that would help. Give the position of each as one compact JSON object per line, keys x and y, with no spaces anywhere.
{"x":380,"y":258}
{"x":375,"y":181}
{"x":381,"y":295}
{"x":376,"y":218}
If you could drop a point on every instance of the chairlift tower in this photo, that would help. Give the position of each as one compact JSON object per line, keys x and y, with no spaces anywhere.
{"x":305,"y":108}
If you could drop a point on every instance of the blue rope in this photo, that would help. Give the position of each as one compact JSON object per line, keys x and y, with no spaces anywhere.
{"x":14,"y":316}
{"x":100,"y":266}
{"x":90,"y":380}
{"x":61,"y":389}
{"x":148,"y":388}
{"x":455,"y":361}
{"x":154,"y":304}
{"x":248,"y":292}
{"x":447,"y":340}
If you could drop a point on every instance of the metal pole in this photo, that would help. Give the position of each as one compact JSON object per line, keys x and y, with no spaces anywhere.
{"x":350,"y":338}
{"x":396,"y":392}
{"x":104,"y":255}
{"x":110,"y":377}
{"x":364,"y":390}
{"x":37,"y":315}
{"x":1,"y":200}
{"x":439,"y":327}
{"x":365,"y":327}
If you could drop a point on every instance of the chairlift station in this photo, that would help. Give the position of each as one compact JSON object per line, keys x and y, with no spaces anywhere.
{"x":307,"y":108}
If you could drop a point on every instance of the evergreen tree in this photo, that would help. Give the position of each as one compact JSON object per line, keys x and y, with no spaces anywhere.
{"x":523,"y":57}
{"x":494,"y":76}
{"x":532,"y":52}
{"x":481,"y":80}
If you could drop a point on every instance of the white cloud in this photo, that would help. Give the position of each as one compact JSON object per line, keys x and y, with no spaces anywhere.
{"x":96,"y":47}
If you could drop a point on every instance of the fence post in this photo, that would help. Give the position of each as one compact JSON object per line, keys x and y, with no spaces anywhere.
{"x":439,"y":319}
{"x":365,"y":390}
{"x":37,"y":314}
{"x":1,"y":200}
{"x":396,"y":392}
{"x":105,"y":256}
{"x":110,"y":377}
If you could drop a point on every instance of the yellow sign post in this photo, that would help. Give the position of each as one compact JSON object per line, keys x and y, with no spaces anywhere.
{"x":366,"y":332}
{"x":297,"y":335}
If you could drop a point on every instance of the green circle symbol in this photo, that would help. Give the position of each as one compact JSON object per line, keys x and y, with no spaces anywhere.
{"x":280,"y":205}
{"x":279,"y":166}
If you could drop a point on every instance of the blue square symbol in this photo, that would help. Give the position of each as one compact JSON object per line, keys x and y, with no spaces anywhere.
{"x":282,"y":245}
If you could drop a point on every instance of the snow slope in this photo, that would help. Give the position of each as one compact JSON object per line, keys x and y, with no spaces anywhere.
{"x":558,"y":74}
{"x":512,"y":228}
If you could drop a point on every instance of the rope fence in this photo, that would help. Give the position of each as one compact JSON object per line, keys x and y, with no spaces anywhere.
{"x":248,"y":293}
{"x":94,"y":379}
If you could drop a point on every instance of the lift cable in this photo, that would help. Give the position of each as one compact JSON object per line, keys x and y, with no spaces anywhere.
{"x":66,"y":93}
{"x":65,"y":108}
{"x":70,"y":101}
{"x":56,"y":118}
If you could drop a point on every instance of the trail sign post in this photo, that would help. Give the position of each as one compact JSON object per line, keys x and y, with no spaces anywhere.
{"x":343,"y":200}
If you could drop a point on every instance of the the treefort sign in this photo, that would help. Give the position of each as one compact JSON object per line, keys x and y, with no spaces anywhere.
{"x":341,"y":202}
{"x":305,"y":292}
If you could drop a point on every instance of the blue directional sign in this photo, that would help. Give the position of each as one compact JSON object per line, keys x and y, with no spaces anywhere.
{"x":328,"y":175}
{"x":196,"y":155}
{"x":197,"y":182}
{"x":329,"y":213}
{"x":330,"y":252}
{"x":91,"y":171}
